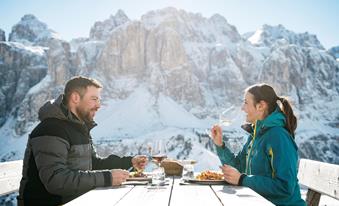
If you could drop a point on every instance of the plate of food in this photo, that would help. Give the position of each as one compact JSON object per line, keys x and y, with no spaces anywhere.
{"x":209,"y":178}
{"x":139,"y":176}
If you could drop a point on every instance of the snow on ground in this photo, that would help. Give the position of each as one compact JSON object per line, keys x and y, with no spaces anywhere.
{"x":140,"y":114}
{"x":15,"y":145}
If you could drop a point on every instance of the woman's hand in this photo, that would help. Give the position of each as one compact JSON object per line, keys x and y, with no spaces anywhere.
{"x":216,"y":133}
{"x":231,"y":174}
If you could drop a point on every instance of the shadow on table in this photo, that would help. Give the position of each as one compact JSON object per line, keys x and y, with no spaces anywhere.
{"x":233,"y":190}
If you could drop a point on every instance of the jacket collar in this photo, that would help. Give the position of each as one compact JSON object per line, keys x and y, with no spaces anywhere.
{"x":276,"y":118}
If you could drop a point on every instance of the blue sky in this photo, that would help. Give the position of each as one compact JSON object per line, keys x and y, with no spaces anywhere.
{"x":74,"y":18}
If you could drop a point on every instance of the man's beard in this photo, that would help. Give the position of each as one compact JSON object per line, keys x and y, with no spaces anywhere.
{"x":84,"y":115}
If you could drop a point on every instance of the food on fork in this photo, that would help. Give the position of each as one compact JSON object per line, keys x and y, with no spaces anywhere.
{"x":137,"y":174}
{"x":210,"y":175}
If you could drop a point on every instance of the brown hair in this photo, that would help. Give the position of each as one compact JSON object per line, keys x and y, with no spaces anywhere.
{"x":79,"y":84}
{"x":264,"y":92}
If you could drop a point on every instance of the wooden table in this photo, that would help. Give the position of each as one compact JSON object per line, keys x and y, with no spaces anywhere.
{"x":171,"y":194}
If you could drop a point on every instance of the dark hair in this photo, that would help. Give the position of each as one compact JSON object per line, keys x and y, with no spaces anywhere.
{"x":264,"y":92}
{"x":79,"y":84}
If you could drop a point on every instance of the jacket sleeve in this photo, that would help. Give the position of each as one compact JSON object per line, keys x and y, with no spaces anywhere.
{"x":237,"y":161}
{"x":282,"y":155}
{"x":110,"y":162}
{"x":50,"y":154}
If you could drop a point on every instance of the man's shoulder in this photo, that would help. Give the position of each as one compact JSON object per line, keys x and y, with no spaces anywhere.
{"x":51,"y":127}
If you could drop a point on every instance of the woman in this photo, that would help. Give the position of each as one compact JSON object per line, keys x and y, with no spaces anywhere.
{"x":268,"y":161}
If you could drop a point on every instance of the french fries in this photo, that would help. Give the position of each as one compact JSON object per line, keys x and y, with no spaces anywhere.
{"x":210,"y":175}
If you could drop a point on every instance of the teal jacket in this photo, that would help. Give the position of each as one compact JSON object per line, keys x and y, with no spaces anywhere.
{"x":269,"y":158}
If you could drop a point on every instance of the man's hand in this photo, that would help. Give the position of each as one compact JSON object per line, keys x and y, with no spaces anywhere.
{"x":231,"y":174}
{"x":139,"y":162}
{"x":119,"y":176}
{"x":216,"y":133}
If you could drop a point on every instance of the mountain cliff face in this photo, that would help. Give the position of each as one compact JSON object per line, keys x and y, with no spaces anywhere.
{"x":168,"y":76}
{"x":20,"y":68}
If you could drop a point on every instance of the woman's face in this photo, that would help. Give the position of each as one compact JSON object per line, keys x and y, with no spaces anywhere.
{"x":252,"y":110}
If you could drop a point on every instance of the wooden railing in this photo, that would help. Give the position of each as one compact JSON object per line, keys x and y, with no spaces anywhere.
{"x":320,"y":178}
{"x":10,"y":176}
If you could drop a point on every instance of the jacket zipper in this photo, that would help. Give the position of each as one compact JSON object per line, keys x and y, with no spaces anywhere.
{"x":248,"y":161}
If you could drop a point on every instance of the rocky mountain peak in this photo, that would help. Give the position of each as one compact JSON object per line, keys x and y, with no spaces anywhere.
{"x":31,"y":31}
{"x":218,"y":18}
{"x":268,"y":35}
{"x":29,"y":17}
{"x":169,"y":16}
{"x":102,"y":29}
{"x":120,"y":17}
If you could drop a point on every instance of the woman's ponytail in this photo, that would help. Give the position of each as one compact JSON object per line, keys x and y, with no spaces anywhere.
{"x":291,"y":120}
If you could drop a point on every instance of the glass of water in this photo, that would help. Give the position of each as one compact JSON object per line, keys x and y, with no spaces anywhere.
{"x":188,"y":170}
{"x":158,"y":176}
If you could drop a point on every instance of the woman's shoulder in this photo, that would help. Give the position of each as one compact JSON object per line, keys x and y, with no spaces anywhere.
{"x":278,"y":134}
{"x":278,"y":130}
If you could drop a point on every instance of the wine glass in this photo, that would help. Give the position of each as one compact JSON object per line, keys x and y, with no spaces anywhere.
{"x":226,"y":118}
{"x":159,"y":152}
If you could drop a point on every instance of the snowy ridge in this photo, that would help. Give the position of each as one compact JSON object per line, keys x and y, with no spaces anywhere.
{"x":267,"y":35}
{"x":101,"y":29}
{"x":31,"y":31}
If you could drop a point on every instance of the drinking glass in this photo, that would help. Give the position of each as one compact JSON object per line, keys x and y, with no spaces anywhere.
{"x":158,"y":154}
{"x":226,"y":118}
{"x":158,"y":176}
{"x":188,"y":169}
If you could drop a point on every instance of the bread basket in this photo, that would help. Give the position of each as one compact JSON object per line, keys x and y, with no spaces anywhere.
{"x":172,"y":167}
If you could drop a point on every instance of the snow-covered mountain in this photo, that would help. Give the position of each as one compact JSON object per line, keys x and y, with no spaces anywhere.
{"x":268,"y":35}
{"x":167,"y":77}
{"x":31,"y":31}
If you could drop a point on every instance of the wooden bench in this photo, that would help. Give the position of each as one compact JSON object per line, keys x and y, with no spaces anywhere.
{"x":10,"y":176}
{"x":320,"y":178}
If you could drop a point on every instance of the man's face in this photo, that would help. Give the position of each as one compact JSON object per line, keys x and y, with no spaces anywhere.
{"x":89,"y":104}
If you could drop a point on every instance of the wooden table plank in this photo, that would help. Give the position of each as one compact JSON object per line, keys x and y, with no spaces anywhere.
{"x":148,"y":195}
{"x":235,"y":195}
{"x":102,"y":196}
{"x":193,"y":195}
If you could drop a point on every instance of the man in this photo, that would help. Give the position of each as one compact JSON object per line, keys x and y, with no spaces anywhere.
{"x":60,"y":162}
